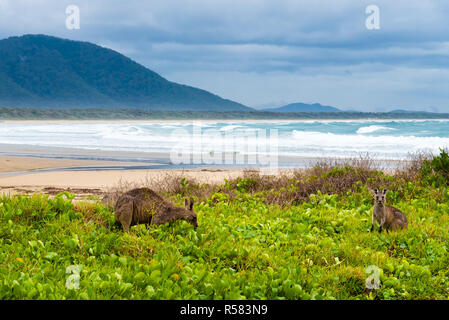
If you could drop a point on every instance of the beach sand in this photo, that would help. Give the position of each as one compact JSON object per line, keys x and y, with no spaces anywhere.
{"x":20,"y":175}
{"x":32,"y":169}
{"x":11,"y":164}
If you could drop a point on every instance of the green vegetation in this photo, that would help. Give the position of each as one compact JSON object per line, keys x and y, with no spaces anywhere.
{"x":139,"y":114}
{"x":436,"y":170}
{"x":304,"y":236}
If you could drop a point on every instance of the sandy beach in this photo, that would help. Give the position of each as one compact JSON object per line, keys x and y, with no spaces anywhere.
{"x":52,"y":170}
{"x":17,"y":164}
{"x":23,"y":175}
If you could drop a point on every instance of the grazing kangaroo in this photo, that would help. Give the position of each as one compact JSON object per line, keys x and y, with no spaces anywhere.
{"x":387,"y":217}
{"x":143,"y":205}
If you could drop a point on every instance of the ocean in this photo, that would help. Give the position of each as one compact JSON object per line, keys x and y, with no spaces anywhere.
{"x":380,"y":139}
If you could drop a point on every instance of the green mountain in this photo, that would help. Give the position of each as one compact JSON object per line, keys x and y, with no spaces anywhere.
{"x":304,"y":107}
{"x":47,"y":72}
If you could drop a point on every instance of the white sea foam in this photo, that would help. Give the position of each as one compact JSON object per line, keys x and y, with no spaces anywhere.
{"x":310,"y":139}
{"x":373,"y":128}
{"x":386,"y":146}
{"x":230,"y":127}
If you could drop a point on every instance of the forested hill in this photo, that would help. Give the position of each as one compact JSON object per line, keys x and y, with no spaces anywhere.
{"x":46,"y":72}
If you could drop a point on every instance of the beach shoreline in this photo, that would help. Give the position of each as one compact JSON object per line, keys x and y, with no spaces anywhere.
{"x":30,"y":175}
{"x":158,"y":159}
{"x":47,"y":175}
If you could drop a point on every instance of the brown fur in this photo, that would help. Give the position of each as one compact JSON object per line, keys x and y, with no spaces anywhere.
{"x":387,"y":217}
{"x":144,"y":206}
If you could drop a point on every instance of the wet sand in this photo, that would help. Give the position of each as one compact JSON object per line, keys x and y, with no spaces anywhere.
{"x":28,"y":175}
{"x":12,"y":164}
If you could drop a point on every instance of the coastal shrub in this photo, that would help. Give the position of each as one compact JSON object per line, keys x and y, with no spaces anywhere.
{"x":436,"y":170}
{"x":295,"y":186}
{"x":342,"y":177}
{"x":34,"y":210}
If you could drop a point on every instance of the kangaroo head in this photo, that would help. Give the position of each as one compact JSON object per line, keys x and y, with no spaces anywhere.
{"x":191,"y":215}
{"x":124,"y":206}
{"x":380,"y":197}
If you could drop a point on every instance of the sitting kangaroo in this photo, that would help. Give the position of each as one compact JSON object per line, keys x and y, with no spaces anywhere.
{"x":143,"y":205}
{"x":387,"y":217}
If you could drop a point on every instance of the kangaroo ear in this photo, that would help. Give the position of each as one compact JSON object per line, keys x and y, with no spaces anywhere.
{"x":186,"y":203}
{"x":385,"y":191}
{"x":376,"y":191}
{"x":191,"y":204}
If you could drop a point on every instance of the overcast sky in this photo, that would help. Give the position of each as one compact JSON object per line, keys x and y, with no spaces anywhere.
{"x":266,"y":53}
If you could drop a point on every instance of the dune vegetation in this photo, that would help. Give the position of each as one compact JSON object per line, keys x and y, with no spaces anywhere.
{"x":298,"y":236}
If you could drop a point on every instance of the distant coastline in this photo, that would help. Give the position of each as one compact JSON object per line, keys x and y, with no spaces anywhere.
{"x":249,"y":121}
{"x":11,"y":113}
